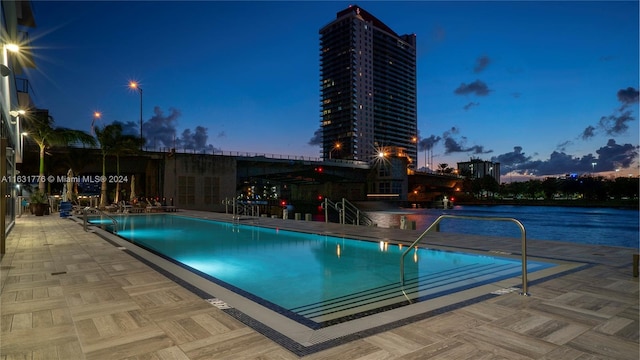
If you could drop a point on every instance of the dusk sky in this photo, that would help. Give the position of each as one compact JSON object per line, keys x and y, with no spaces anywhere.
{"x":541,"y":87}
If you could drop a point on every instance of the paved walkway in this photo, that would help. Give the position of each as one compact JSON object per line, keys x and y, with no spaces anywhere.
{"x":68,"y":294}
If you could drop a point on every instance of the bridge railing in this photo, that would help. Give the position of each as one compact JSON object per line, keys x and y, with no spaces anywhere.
{"x":233,"y":153}
{"x":258,"y":155}
{"x":246,"y":154}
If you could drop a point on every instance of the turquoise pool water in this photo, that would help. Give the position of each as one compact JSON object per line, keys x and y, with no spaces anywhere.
{"x":311,"y":275}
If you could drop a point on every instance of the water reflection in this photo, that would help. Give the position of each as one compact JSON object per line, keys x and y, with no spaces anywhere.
{"x":602,"y":226}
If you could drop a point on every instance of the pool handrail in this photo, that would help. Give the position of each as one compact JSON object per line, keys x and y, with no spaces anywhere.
{"x":348,"y":213}
{"x":102,"y":213}
{"x":435,"y":225}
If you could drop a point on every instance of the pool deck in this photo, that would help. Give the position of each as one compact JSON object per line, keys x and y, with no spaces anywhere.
{"x":70,"y":294}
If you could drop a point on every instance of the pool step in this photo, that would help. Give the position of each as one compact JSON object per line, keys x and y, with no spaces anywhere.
{"x":417,"y":288}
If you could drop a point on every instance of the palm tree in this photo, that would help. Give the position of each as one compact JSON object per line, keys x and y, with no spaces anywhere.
{"x":107,"y":139}
{"x":442,"y":168}
{"x":40,"y":126}
{"x":113,"y":142}
{"x":124,"y":145}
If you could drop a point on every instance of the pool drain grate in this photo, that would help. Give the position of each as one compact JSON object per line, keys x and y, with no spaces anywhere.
{"x":218,"y":303}
{"x":505,"y":291}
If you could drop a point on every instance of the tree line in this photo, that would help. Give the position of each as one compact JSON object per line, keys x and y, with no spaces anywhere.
{"x":596,"y":188}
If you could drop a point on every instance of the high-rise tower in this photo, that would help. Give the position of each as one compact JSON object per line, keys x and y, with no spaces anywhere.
{"x":368,"y":88}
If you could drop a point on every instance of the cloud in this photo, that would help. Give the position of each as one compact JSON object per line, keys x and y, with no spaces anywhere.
{"x":453,"y":131}
{"x":200,"y":137}
{"x":316,"y":139}
{"x":614,"y":156}
{"x":428,"y":143}
{"x":470,"y":105}
{"x":588,"y":132}
{"x":129,"y":128}
{"x":511,"y":160}
{"x":481,"y":63}
{"x":186,"y":140}
{"x":628,"y":96}
{"x":562,"y":163}
{"x":563,"y":145}
{"x":616,"y":123}
{"x":477,"y":87}
{"x":478,"y":149}
{"x":160,"y":130}
{"x":610,"y":157}
{"x":196,"y":140}
{"x":558,"y":163}
{"x":452,"y":145}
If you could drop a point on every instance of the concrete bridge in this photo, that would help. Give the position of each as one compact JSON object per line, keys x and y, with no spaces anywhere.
{"x":201,"y":181}
{"x":301,"y":171}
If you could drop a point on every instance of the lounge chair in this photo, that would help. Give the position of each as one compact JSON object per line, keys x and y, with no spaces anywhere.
{"x":154,"y":208}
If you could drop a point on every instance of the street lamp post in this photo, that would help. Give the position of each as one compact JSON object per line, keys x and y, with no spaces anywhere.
{"x":134,"y":85}
{"x":22,"y":136}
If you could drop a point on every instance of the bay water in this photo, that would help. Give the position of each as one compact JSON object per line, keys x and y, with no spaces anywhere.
{"x":601,"y":226}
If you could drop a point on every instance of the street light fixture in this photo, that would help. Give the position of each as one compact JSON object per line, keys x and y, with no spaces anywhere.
{"x":4,"y":68}
{"x":16,"y":114}
{"x":135,"y":86}
{"x":14,"y":48}
{"x":337,"y":146}
{"x":96,"y":117}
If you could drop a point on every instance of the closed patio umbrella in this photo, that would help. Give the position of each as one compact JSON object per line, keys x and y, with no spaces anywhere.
{"x":133,"y":188}
{"x":69,"y":187}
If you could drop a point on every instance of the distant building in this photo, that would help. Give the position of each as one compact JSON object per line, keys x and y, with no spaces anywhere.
{"x":477,"y":169}
{"x":368,"y":88}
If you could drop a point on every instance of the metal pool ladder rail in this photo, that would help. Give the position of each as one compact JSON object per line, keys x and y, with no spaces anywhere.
{"x":435,"y":226}
{"x":85,"y":222}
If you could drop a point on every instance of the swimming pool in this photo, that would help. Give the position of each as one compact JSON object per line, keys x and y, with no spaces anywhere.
{"x":314,"y":279}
